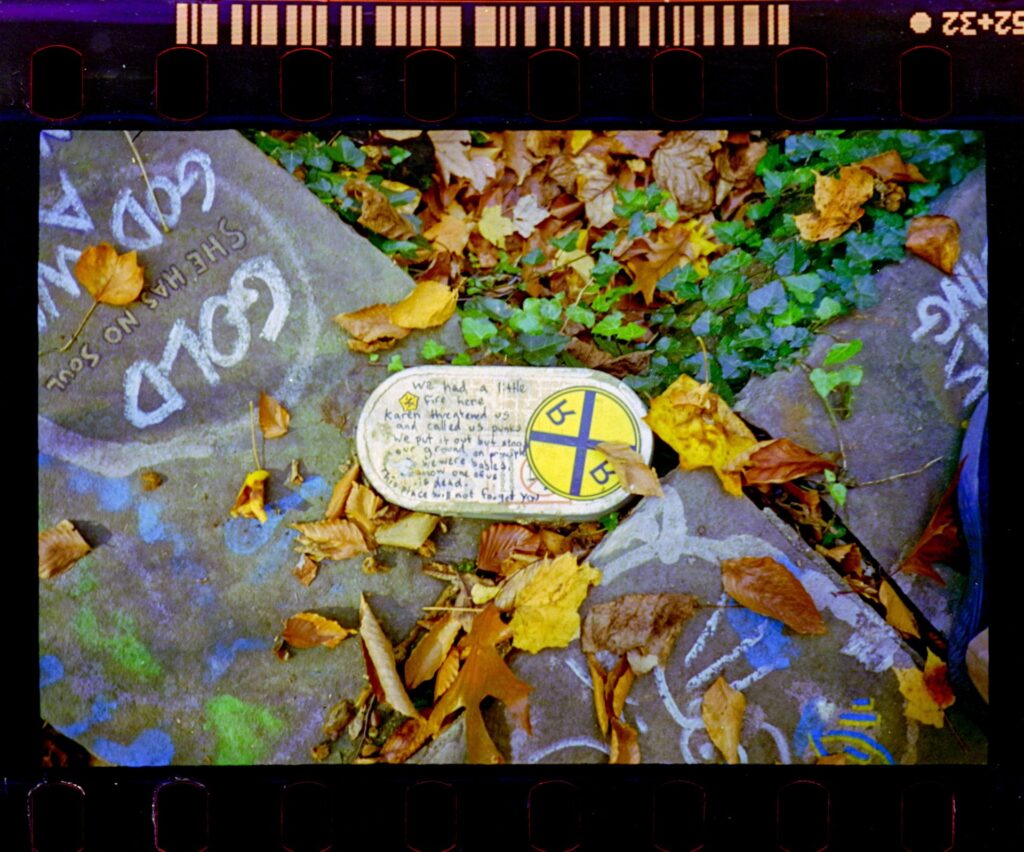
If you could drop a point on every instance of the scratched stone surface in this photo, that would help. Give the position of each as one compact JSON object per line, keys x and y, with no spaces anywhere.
{"x":925,"y":361}
{"x":834,"y":693}
{"x":156,"y":647}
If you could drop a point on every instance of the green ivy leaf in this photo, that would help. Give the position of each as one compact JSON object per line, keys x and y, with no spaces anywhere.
{"x":605,"y":269}
{"x":802,"y":287}
{"x":843,"y":352}
{"x":568,"y":242}
{"x":462,"y":360}
{"x":398,"y":155}
{"x":475,"y":330}
{"x":431,"y":350}
{"x":533,"y":258}
{"x":395,"y":364}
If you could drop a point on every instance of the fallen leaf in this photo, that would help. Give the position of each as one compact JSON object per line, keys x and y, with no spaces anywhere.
{"x":546,"y":613}
{"x":409,"y":532}
{"x":405,"y":741}
{"x":849,"y":557}
{"x":371,"y":328}
{"x":722,"y":710}
{"x":274,"y":417}
{"x":151,"y":480}
{"x":306,"y":569}
{"x":431,"y":304}
{"x":110,"y":278}
{"x":484,"y":673}
{"x":371,"y":565}
{"x":494,"y":227}
{"x":634,"y":474}
{"x":381,"y":655}
{"x":682,"y":164}
{"x":936,"y":681}
{"x":935,"y":239}
{"x":527,"y":215}
{"x":399,"y":135}
{"x":249,"y":502}
{"x":890,"y":166}
{"x":896,"y":612}
{"x":940,"y":541}
{"x":456,"y":157}
{"x":663,"y":252}
{"x":295,"y":476}
{"x":837,"y":201}
{"x":639,"y":143}
{"x":631,"y":364}
{"x":764,"y":586}
{"x":500,"y":541}
{"x":60,"y":547}
{"x":598,"y":678}
{"x":451,"y":231}
{"x":447,"y":673}
{"x":481,"y":594}
{"x":921,"y":705}
{"x":431,"y":651}
{"x":699,"y":426}
{"x":625,"y":744}
{"x":339,"y":495}
{"x":738,"y":164}
{"x":377,"y":214}
{"x":516,"y":155}
{"x":777,"y":461}
{"x":643,"y":626}
{"x":838,"y":759}
{"x":307,"y":630}
{"x":363,"y":506}
{"x":330,"y":539}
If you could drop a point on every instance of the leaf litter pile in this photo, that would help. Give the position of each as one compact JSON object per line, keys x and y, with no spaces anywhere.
{"x":681,"y":262}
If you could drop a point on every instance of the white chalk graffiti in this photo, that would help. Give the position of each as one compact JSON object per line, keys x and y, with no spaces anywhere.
{"x":963,"y":293}
{"x":69,"y":211}
{"x":53,"y":135}
{"x":60,"y":276}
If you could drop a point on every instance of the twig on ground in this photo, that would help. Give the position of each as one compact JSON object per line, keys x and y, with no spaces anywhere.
{"x":145,"y":178}
{"x":853,"y":483}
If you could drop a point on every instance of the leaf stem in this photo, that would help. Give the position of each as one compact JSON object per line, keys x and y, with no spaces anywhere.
{"x":74,"y":337}
{"x":895,"y":476}
{"x":145,"y":178}
{"x":252,"y":436}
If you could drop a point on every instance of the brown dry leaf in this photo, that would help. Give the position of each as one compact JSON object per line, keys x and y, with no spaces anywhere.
{"x":307,"y":630}
{"x":306,"y":569}
{"x":631,"y":364}
{"x":110,"y":278}
{"x":60,"y":547}
{"x":777,"y":461}
{"x":451,"y":232}
{"x":151,"y":480}
{"x":625,"y":744}
{"x":738,"y":164}
{"x":409,"y":532}
{"x":405,"y":741}
{"x":643,"y":627}
{"x":699,"y":426}
{"x":274,"y":417}
{"x":295,"y":476}
{"x":594,"y":188}
{"x":431,"y":651}
{"x":371,"y":328}
{"x":838,"y":203}
{"x":381,"y":656}
{"x":598,"y":679}
{"x":849,"y":558}
{"x":447,"y":673}
{"x":500,"y":541}
{"x":890,"y":166}
{"x":249,"y":502}
{"x":639,"y":143}
{"x":940,"y":541}
{"x":330,"y":539}
{"x":456,"y":157}
{"x":935,"y":239}
{"x":431,"y":304}
{"x":339,"y":495}
{"x":838,"y":759}
{"x":377,"y":214}
{"x":399,"y":135}
{"x":722,"y":710}
{"x":527,"y":215}
{"x":936,"y":681}
{"x":516,"y":155}
{"x":634,"y":474}
{"x":363,"y":506}
{"x":483,"y":674}
{"x":766,"y":587}
{"x":682,"y":164}
{"x":896,"y":612}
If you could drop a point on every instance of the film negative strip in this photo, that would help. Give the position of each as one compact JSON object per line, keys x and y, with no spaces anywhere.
{"x":551,"y":385}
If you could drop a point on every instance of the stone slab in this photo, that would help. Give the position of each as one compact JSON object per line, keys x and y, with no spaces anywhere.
{"x":500,"y":442}
{"x":925,"y":361}
{"x":156,"y":647}
{"x":802,"y":691}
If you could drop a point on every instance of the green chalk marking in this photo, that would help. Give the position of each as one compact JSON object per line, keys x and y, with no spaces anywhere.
{"x":85,"y":579}
{"x":122,"y":643}
{"x":242,"y":729}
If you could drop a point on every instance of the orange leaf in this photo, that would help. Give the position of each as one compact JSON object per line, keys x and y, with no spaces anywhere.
{"x":60,"y":547}
{"x":935,"y":239}
{"x":362,"y":506}
{"x":777,"y":461}
{"x":722,"y":710}
{"x":597,"y":680}
{"x":330,"y":539}
{"x":890,"y":166}
{"x":307,"y":630}
{"x":625,"y":745}
{"x":447,"y":673}
{"x":635,"y":476}
{"x":940,"y":541}
{"x":405,"y":741}
{"x":306,"y":569}
{"x":249,"y":502}
{"x":451,"y":232}
{"x":766,"y":587}
{"x":371,"y":328}
{"x":431,"y":651}
{"x":896,"y":612}
{"x":378,"y":649}
{"x":110,"y":278}
{"x":483,"y":674}
{"x":340,"y":493}
{"x":837,"y":202}
{"x":500,"y":542}
{"x":274,"y":417}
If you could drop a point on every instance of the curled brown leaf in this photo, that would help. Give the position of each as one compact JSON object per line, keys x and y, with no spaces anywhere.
{"x":60,"y":547}
{"x":308,"y":629}
{"x":648,"y":624}
{"x":722,"y":709}
{"x":766,"y":587}
{"x":274,"y":417}
{"x":935,"y":239}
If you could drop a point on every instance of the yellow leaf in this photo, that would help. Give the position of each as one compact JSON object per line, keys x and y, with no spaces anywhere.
{"x":494,"y":227}
{"x":482,"y":594}
{"x":635,"y":476}
{"x":579,"y":138}
{"x":371,"y":327}
{"x":699,"y":426}
{"x":400,"y":189}
{"x":451,"y":232}
{"x":722,"y":710}
{"x":547,"y":608}
{"x":274,"y":417}
{"x":409,"y":532}
{"x":381,"y":655}
{"x":896,"y":612}
{"x":597,"y":680}
{"x":307,"y":630}
{"x":428,"y":655}
{"x":362,"y":506}
{"x":837,"y":201}
{"x":60,"y":547}
{"x":431,"y":304}
{"x":249,"y":502}
{"x":920,"y":704}
{"x":340,"y":493}
{"x":110,"y":278}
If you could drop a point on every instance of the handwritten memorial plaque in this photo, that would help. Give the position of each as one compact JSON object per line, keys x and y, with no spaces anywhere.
{"x":500,"y":442}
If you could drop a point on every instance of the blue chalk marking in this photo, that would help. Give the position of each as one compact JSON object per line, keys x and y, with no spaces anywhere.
{"x":279,"y":556}
{"x":51,"y":670}
{"x":774,"y":651}
{"x":224,"y":655}
{"x":856,"y":738}
{"x":152,"y":747}
{"x":863,"y":702}
{"x":247,"y":535}
{"x":114,"y":495}
{"x":858,"y":718}
{"x":150,"y":528}
{"x":809,"y":729}
{"x":857,"y":754}
{"x":315,"y":486}
{"x":44,"y":460}
{"x":101,"y":711}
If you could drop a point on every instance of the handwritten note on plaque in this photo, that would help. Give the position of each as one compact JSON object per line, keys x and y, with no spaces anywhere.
{"x":500,"y":442}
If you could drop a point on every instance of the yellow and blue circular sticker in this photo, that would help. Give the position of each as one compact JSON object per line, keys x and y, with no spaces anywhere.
{"x":562,"y":438}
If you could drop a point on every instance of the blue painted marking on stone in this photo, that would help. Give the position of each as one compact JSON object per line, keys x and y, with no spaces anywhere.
{"x":278,"y":558}
{"x":224,"y":654}
{"x":811,"y":726}
{"x":856,"y":753}
{"x":152,"y":747}
{"x":845,"y":734}
{"x":151,"y":529}
{"x":247,"y":535}
{"x":862,"y":702}
{"x":51,"y":669}
{"x":44,"y":460}
{"x":858,"y":717}
{"x":774,"y":650}
{"x":114,"y":495}
{"x":101,"y":711}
